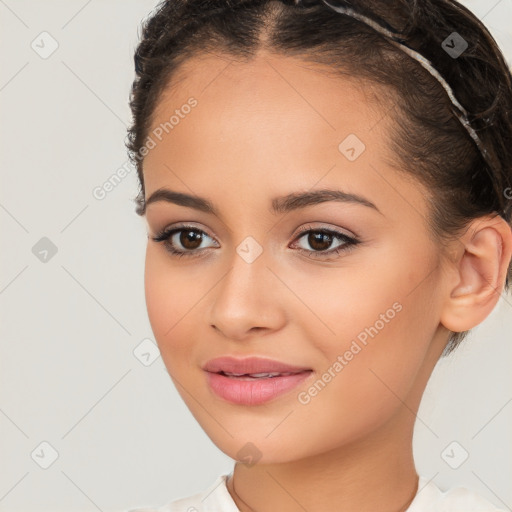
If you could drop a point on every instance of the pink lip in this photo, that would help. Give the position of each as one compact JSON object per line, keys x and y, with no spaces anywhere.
{"x":246,"y":390}
{"x":250,"y":365}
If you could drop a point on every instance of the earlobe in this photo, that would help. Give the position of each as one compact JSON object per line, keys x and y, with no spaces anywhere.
{"x":479,"y":272}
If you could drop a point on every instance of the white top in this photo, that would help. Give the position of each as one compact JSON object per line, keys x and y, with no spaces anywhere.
{"x":429,"y":498}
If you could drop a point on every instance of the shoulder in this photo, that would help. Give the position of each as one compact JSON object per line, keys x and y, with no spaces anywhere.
{"x":215,"y":497}
{"x":456,"y":499}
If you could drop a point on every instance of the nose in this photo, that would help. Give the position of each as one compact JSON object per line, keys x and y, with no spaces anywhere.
{"x":247,"y":300}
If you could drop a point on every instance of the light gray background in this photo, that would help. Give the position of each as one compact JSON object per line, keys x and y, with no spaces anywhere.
{"x":68,"y":374}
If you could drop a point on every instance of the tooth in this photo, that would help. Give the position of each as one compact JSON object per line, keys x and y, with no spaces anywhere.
{"x":264,"y":374}
{"x":257,"y":375}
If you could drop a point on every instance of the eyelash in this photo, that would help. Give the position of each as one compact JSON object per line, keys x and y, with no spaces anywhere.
{"x":349,"y":242}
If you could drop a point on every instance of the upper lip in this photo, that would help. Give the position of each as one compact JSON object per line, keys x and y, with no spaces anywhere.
{"x":245,"y":365}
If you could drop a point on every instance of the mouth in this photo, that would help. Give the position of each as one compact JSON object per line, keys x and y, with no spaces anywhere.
{"x":252,"y":376}
{"x":252,"y":381}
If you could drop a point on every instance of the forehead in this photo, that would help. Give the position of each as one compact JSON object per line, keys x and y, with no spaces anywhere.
{"x":270,"y":83}
{"x":258,"y":108}
{"x":266,"y":128}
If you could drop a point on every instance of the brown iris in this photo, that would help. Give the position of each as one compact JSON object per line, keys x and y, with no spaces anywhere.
{"x":190,"y":239}
{"x":320,"y":241}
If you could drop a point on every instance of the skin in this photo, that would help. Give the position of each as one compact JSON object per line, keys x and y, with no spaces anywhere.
{"x":269,"y":128}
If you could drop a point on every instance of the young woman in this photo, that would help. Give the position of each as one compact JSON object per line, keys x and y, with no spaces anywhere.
{"x":327,"y":188}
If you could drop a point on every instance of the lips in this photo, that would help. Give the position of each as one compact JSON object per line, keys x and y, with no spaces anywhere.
{"x":255,"y":367}
{"x":253,"y":380}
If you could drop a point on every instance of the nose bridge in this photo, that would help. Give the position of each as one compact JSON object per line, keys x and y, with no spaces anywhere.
{"x":247,"y":273}
{"x":243,"y":298}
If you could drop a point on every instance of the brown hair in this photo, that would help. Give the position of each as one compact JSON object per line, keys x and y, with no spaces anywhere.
{"x":429,"y":142}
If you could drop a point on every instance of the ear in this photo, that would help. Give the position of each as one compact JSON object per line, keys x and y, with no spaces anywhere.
{"x":477,"y":273}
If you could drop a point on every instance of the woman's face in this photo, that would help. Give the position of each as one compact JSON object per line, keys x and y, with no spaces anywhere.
{"x":260,"y":278}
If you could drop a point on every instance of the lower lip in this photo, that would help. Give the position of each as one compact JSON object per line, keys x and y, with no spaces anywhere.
{"x":256,"y":391}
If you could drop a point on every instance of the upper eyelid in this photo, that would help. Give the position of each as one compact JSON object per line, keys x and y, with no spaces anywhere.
{"x":335,"y":230}
{"x":174,"y":229}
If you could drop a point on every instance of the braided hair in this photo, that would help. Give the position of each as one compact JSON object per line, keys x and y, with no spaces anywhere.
{"x":465,"y":180}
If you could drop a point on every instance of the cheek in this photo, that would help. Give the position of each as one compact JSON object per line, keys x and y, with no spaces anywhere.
{"x":371,"y":297}
{"x":363,"y":384}
{"x":159,"y":302}
{"x":373,"y":325}
{"x":171,"y":294}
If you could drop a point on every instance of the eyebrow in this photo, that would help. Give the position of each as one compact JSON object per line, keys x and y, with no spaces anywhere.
{"x":283,"y":204}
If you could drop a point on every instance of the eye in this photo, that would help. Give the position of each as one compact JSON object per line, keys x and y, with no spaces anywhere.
{"x":188,"y":241}
{"x":321,"y":239}
{"x":183,"y":240}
